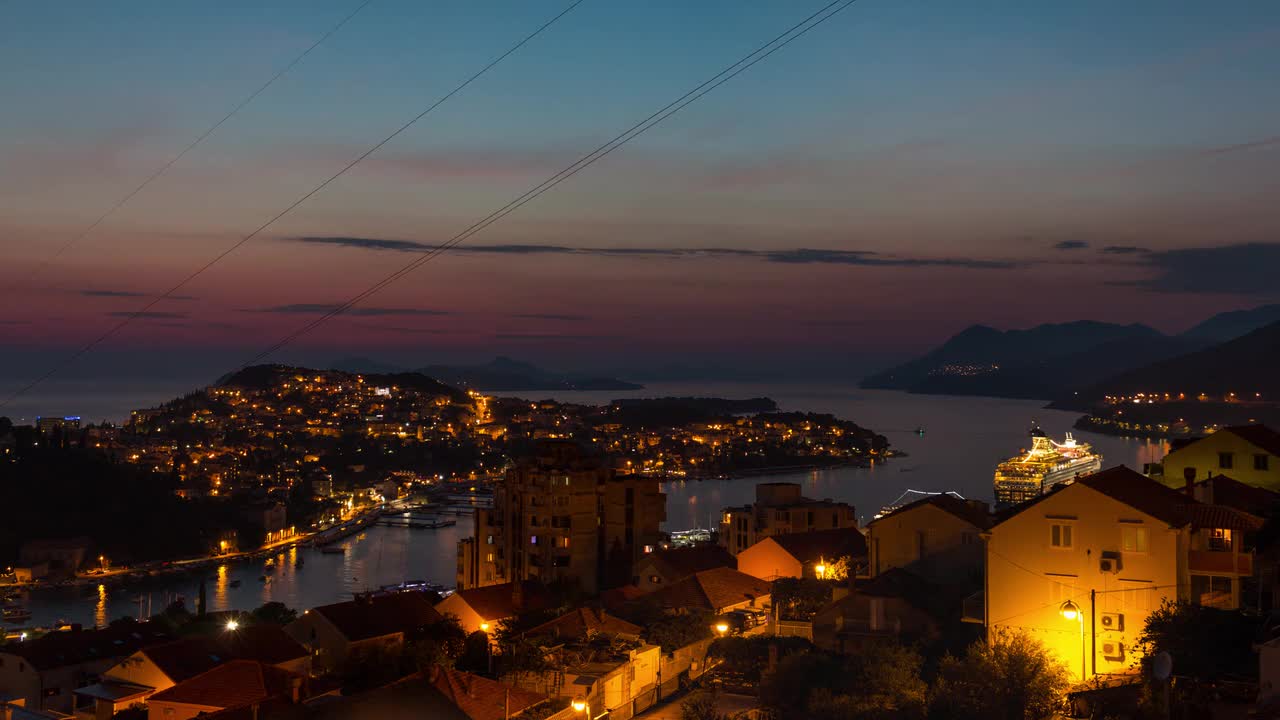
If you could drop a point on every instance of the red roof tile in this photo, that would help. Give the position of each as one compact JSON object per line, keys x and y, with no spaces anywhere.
{"x":679,"y":563}
{"x":230,"y":685}
{"x":823,"y":544}
{"x":495,"y":602}
{"x":582,"y":623}
{"x":974,"y":514}
{"x":60,"y":649}
{"x":481,"y":698}
{"x":712,"y":590}
{"x":370,"y":617}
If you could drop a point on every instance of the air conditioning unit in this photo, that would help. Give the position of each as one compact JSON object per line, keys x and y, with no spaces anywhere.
{"x":1112,"y":651}
{"x":1111,"y":621}
{"x":1109,"y":565}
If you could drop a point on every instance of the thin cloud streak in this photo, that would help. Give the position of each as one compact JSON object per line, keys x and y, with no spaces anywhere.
{"x":321,"y":308}
{"x":797,"y":256}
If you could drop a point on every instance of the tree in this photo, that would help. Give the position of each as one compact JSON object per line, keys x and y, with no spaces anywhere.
{"x":800,"y":598}
{"x":1204,"y":642}
{"x":749,"y":656}
{"x":1012,"y":676}
{"x":673,"y":632}
{"x":440,"y":643}
{"x":787,"y":688}
{"x":701,"y":705}
{"x":275,"y":613}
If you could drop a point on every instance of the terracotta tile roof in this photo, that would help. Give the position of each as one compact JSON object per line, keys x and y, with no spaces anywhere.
{"x":188,"y":657}
{"x":976,"y":515}
{"x":263,"y":642}
{"x":231,"y":685}
{"x":823,"y":544}
{"x":682,"y":562}
{"x":1221,"y":516}
{"x":60,"y":649}
{"x":582,"y":623}
{"x":481,"y":698}
{"x":1222,"y":490}
{"x":1141,"y":493}
{"x":1258,"y":435}
{"x":495,"y":602}
{"x":371,"y":617}
{"x":711,"y":590}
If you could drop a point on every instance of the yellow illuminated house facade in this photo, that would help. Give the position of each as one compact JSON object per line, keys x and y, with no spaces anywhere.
{"x":1081,"y":568}
{"x":1248,"y":453}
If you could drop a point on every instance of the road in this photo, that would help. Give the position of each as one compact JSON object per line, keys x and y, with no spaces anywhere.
{"x":729,"y":704}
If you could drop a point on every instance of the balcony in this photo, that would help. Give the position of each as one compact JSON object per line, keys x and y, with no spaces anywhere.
{"x":1219,"y":563}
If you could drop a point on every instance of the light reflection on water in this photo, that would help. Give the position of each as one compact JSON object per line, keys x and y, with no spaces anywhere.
{"x":964,"y":439}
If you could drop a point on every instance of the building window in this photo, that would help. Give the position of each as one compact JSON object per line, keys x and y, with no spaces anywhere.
{"x":488,"y":558}
{"x":1226,"y":460}
{"x":533,"y":539}
{"x":1060,"y":535}
{"x":1211,"y":590}
{"x":490,"y":539}
{"x":562,"y":542}
{"x":1220,"y":539}
{"x":1261,"y":462}
{"x":1133,"y":539}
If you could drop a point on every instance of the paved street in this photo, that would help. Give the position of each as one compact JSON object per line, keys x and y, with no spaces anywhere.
{"x":730,"y":704}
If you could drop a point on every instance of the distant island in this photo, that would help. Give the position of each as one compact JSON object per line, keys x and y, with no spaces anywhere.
{"x":1053,"y":361}
{"x":502,"y":374}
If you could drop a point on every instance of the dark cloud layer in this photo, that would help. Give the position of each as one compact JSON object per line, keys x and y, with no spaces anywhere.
{"x":1242,"y":269}
{"x":798,"y":256}
{"x":549,"y":316}
{"x":321,"y":308}
{"x":149,"y":315}
{"x":93,"y":292}
{"x":1124,"y":250}
{"x":1071,"y":245}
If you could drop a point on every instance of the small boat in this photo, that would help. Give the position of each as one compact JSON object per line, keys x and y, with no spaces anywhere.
{"x":16,"y":614}
{"x":333,"y":550}
{"x":235,"y":583}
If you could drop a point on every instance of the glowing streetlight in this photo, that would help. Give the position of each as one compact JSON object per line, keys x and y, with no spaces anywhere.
{"x":484,"y":627}
{"x":722,"y":627}
{"x":821,"y":570}
{"x":580,"y":705}
{"x":232,"y":625}
{"x":1070,"y":611}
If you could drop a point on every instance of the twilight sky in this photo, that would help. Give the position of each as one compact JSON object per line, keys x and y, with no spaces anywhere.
{"x":905,"y":170}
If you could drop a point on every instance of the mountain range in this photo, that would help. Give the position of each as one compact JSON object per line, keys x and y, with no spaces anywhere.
{"x":502,"y":374}
{"x":1063,"y":360}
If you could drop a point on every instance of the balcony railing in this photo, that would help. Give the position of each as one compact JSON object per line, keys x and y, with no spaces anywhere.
{"x":1209,"y":561}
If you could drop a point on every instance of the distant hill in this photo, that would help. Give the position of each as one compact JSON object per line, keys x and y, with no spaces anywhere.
{"x":506,"y":375}
{"x":1245,"y":365}
{"x":1035,"y":363}
{"x":1231,"y":325}
{"x":259,"y":377}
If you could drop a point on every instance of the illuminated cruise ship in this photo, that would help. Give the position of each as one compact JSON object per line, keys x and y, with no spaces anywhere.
{"x":1045,"y":465}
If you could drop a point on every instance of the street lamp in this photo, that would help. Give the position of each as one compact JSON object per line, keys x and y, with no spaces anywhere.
{"x":580,"y":705}
{"x":722,"y":628}
{"x":488,"y":647}
{"x":232,"y":625}
{"x":821,"y":570}
{"x":1070,"y":611}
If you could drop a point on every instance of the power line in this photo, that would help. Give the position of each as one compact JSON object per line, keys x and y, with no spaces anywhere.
{"x":782,"y":40}
{"x":238,"y":244}
{"x":164,"y":168}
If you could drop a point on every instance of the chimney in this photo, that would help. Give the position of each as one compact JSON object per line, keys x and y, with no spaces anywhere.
{"x":1189,"y":475}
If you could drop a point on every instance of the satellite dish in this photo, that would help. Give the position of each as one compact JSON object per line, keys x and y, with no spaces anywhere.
{"x":1162,"y":666}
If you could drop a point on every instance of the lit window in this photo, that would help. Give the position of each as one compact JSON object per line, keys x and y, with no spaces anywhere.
{"x":1133,"y":539}
{"x":1220,"y":539}
{"x":533,"y":539}
{"x":1060,"y":535}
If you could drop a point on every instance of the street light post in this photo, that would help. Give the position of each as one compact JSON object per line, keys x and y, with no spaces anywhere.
{"x":582,"y":706}
{"x":1071,"y":611}
{"x":488,"y":647}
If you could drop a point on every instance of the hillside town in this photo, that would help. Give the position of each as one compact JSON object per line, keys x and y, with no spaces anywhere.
{"x":1111,"y":594}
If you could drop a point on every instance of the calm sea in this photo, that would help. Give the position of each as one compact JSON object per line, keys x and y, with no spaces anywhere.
{"x":963,"y":440}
